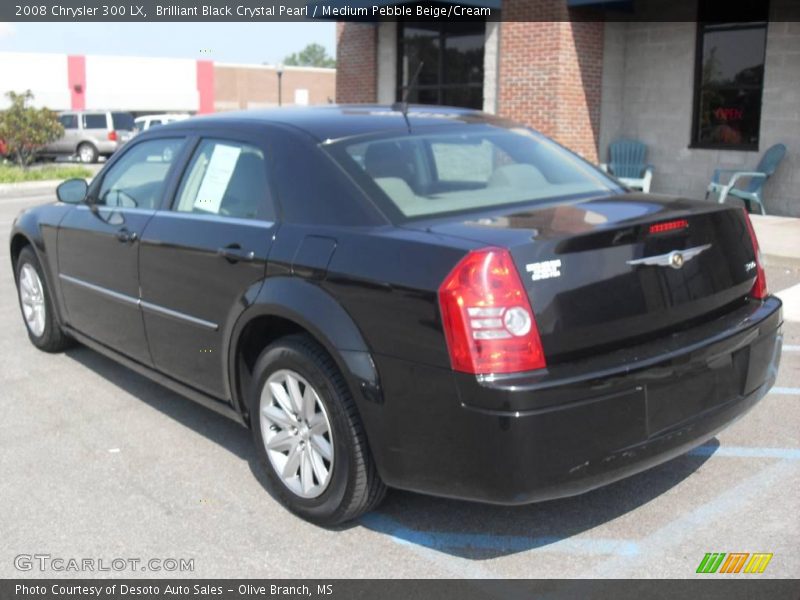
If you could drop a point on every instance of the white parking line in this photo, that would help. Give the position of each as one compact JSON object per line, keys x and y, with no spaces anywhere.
{"x":655,"y":543}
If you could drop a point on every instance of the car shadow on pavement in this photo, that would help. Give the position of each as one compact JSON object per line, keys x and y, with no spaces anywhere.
{"x":464,"y":529}
{"x":481,"y":531}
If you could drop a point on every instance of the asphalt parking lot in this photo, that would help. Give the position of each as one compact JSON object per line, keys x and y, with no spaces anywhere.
{"x":98,"y":462}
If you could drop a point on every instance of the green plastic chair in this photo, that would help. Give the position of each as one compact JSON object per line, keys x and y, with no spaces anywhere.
{"x":751,"y":191}
{"x":627,"y":163}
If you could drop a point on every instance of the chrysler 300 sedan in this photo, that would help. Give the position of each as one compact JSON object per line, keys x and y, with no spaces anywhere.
{"x":435,"y":300}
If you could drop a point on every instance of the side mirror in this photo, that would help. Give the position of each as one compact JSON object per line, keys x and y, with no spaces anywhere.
{"x":72,"y":191}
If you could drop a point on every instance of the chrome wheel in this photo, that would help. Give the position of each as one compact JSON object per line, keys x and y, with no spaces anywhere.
{"x":86,"y":153}
{"x":31,"y":295}
{"x":297,"y":433}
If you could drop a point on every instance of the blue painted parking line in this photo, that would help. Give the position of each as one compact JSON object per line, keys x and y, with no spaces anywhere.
{"x":746,"y":452}
{"x":448,"y":540}
{"x":785,"y":391}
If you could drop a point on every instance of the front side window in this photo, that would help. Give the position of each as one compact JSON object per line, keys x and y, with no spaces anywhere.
{"x":729,"y":80}
{"x":228,"y":179}
{"x":427,"y":174}
{"x":137,"y":179}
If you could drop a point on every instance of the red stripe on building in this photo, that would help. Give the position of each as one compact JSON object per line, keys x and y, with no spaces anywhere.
{"x":76,"y":76}
{"x":205,"y":86}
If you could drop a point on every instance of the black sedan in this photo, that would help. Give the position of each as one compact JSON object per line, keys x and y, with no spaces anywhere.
{"x":438,"y":301}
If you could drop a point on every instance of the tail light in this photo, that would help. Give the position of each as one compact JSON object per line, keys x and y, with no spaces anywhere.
{"x":487,"y":318}
{"x":112,"y":136}
{"x":759,"y":290}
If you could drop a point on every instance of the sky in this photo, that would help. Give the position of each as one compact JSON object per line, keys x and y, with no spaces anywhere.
{"x":224,"y":42}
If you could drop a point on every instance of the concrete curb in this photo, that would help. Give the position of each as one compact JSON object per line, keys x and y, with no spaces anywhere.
{"x":28,"y":188}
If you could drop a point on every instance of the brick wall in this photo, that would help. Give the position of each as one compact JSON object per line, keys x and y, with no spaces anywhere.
{"x":551,"y":72}
{"x":256,"y":86}
{"x":356,"y":61}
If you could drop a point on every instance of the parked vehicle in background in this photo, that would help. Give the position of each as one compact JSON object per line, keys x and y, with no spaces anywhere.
{"x":145,"y":122}
{"x":91,"y":134}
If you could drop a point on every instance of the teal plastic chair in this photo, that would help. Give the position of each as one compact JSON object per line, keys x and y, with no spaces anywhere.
{"x":755,"y":180}
{"x":627,"y":162}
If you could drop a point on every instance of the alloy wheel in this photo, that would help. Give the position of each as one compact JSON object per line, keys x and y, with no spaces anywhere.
{"x":297,"y":433}
{"x":31,"y":294}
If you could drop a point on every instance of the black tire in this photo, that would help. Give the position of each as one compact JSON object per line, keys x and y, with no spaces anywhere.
{"x":52,"y":338}
{"x":87,"y":153}
{"x":354,"y":487}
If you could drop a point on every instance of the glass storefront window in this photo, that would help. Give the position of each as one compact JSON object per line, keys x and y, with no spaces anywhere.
{"x":729,"y":79}
{"x":452,"y":56}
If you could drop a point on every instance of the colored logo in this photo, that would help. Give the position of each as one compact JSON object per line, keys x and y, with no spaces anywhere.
{"x":734,"y":562}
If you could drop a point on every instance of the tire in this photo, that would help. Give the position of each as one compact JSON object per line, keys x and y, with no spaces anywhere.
{"x":87,"y":153}
{"x":353,"y":486}
{"x":34,"y":297}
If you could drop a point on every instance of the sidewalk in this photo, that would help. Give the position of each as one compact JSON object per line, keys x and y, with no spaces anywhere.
{"x":778,"y":236}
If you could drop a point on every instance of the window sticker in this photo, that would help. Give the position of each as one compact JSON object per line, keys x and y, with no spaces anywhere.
{"x":217,"y":176}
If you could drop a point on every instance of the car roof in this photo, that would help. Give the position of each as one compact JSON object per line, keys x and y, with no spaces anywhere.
{"x":335,"y":121}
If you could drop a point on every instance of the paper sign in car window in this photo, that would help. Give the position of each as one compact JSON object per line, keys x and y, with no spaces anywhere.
{"x":218,"y":174}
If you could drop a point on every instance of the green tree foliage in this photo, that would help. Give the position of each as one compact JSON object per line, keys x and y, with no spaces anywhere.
{"x":313,"y":55}
{"x":25,"y":129}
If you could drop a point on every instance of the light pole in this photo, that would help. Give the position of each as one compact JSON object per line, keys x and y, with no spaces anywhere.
{"x":279,"y":71}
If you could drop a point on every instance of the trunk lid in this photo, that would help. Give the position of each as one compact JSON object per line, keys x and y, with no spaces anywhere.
{"x":599,"y":275}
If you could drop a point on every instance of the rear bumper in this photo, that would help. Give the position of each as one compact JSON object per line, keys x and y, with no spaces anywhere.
{"x":526,"y":438}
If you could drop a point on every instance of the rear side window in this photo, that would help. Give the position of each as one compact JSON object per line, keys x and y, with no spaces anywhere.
{"x":137,"y":179}
{"x":95,"y":121}
{"x":69,"y":121}
{"x":228,"y":179}
{"x":122,"y":120}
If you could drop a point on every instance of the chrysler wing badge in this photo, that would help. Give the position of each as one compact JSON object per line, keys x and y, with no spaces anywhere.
{"x":675,"y":259}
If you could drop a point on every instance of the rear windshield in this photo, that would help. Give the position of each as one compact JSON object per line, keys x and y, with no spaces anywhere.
{"x":122,"y":120}
{"x":427,"y":174}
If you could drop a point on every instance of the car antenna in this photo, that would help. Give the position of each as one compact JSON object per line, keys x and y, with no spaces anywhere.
{"x":402,"y":106}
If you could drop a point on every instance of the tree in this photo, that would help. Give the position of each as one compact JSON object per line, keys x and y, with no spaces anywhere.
{"x":25,"y":129}
{"x":313,"y":55}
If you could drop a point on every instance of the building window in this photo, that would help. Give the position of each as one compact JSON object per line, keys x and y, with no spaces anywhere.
{"x":729,"y":78}
{"x":452,"y":56}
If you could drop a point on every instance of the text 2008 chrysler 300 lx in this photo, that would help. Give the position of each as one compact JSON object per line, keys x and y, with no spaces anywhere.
{"x":437,"y":300}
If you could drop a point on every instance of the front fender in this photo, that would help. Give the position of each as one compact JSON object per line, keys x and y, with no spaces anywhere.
{"x":38,"y":227}
{"x":309,"y":306}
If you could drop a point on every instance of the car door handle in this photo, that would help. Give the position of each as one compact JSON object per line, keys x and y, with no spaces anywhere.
{"x":126,"y":236}
{"x":234,"y":253}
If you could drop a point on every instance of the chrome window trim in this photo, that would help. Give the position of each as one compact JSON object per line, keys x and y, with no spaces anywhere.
{"x":143,"y":304}
{"x":174,"y":214}
{"x":122,"y":209}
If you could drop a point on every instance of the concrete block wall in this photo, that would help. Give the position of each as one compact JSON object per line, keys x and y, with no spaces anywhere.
{"x":648,"y":88}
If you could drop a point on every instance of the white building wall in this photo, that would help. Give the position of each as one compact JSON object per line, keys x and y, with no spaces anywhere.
{"x":44,"y":74}
{"x":141,"y":84}
{"x":387,"y":62}
{"x":648,"y":87}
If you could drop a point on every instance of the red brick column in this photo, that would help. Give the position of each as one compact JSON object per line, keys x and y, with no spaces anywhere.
{"x":550,"y":72}
{"x":356,"y":62}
